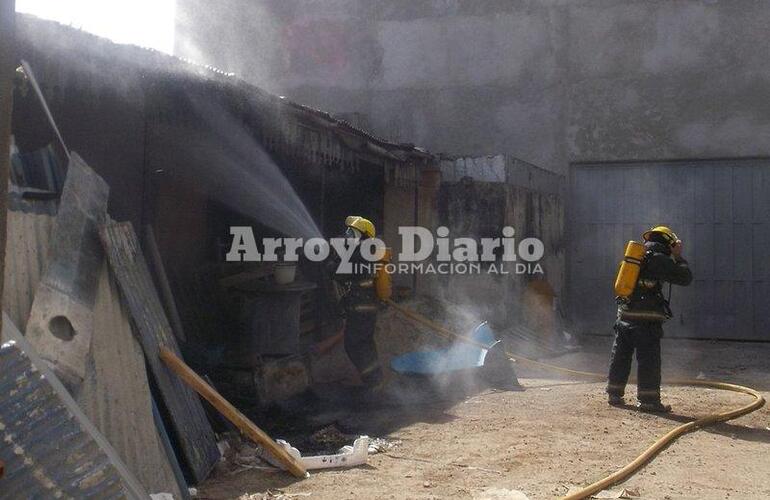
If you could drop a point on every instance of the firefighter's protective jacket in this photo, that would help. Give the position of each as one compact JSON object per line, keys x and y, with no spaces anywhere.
{"x":356,"y":290}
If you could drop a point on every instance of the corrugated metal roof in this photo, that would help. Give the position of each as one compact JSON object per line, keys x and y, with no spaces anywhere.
{"x":49,"y":447}
{"x":346,"y":126}
{"x":133,"y":61}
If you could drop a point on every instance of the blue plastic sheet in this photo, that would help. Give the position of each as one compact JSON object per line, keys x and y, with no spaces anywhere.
{"x":460,"y":356}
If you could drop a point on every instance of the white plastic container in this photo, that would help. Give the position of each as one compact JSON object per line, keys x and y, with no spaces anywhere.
{"x":285,"y":273}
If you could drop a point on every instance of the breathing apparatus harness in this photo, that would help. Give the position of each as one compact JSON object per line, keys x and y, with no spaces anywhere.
{"x":643,"y":289}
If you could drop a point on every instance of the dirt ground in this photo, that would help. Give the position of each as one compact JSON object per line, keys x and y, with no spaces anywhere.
{"x":556,"y":434}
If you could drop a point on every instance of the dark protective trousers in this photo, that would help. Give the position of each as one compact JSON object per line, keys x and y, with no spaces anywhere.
{"x":644,"y":338}
{"x":361,"y":348}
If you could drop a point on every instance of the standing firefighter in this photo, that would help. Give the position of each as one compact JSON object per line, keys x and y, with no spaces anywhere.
{"x":359,"y":301}
{"x":642,"y":309}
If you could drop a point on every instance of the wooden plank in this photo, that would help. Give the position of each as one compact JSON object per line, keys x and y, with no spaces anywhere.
{"x":115,"y":394}
{"x":231,"y":413}
{"x":192,"y":429}
{"x":184,"y":491}
{"x":151,"y":246}
{"x":26,"y":256}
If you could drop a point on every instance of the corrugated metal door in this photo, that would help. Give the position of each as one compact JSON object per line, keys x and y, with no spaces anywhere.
{"x":720,"y":210}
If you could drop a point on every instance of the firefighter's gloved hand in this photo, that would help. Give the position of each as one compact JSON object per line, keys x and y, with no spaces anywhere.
{"x":676,"y":249}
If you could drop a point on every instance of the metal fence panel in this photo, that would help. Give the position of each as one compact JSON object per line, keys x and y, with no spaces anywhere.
{"x":720,"y":209}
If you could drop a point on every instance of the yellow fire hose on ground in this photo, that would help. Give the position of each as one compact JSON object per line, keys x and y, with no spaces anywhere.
{"x":650,"y":452}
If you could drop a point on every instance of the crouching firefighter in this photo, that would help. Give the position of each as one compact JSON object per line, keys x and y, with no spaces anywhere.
{"x":358,"y":294}
{"x":642,"y":310}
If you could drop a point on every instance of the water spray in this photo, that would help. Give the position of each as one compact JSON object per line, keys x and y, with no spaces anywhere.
{"x":239,"y":173}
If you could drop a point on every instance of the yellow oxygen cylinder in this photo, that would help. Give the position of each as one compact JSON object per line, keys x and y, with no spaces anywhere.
{"x":383,"y":282}
{"x":628,"y":273}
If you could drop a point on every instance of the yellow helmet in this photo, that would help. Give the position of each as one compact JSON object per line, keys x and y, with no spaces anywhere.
{"x":669,"y":235}
{"x":364,"y":225}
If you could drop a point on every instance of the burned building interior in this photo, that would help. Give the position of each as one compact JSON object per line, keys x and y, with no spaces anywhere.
{"x":171,"y":370}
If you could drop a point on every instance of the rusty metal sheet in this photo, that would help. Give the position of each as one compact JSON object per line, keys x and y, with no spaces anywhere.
{"x":50,"y":449}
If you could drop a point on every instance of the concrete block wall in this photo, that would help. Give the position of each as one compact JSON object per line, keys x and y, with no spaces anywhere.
{"x":501,"y":168}
{"x":471,"y":203}
{"x":483,"y":168}
{"x":548,"y":81}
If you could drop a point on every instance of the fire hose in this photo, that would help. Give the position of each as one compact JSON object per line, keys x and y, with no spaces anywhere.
{"x":628,"y":470}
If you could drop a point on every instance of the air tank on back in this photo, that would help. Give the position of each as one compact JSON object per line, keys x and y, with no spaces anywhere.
{"x":628,"y":273}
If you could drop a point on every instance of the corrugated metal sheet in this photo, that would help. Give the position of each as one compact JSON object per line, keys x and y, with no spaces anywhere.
{"x":50,"y":448}
{"x":29,"y":231}
{"x":115,"y":394}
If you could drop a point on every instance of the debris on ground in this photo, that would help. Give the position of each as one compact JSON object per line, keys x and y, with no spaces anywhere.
{"x":380,"y":445}
{"x":347,"y":456}
{"x":329,"y":438}
{"x":244,"y":424}
{"x":274,"y":495}
{"x":500,"y":494}
{"x":621,"y":493}
{"x":609,"y":494}
{"x":242,"y":455}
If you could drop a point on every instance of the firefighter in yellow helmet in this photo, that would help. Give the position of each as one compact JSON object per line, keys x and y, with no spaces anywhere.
{"x":639,"y":326}
{"x":360,"y":305}
{"x":359,"y":226}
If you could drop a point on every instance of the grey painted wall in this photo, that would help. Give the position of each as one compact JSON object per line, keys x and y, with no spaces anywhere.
{"x":549,"y":81}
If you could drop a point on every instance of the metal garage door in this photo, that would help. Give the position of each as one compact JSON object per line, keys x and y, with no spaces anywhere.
{"x":721,"y":211}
